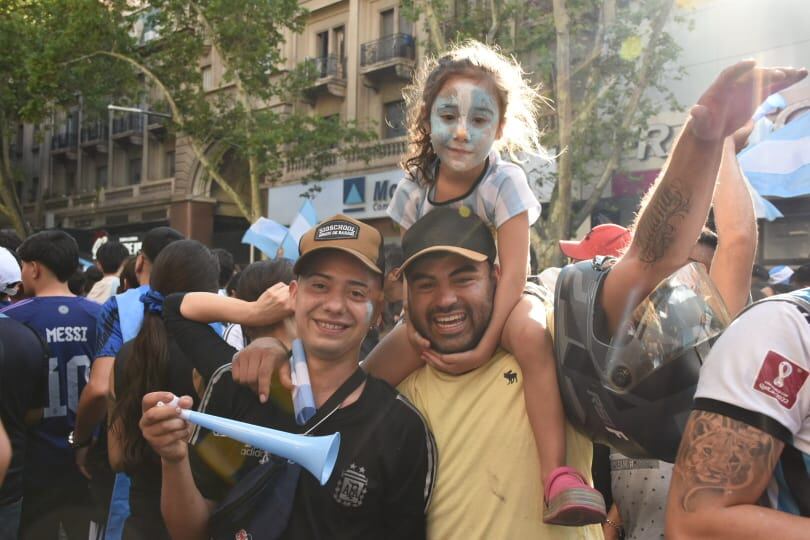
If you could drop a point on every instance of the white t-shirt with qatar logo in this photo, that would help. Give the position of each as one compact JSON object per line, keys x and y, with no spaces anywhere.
{"x":757,"y":373}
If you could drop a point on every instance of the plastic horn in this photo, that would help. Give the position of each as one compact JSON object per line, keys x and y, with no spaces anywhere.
{"x":315,"y":454}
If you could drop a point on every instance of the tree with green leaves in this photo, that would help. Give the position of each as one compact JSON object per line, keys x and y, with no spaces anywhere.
{"x":38,"y":38}
{"x":601,"y":63}
{"x":256,"y":117}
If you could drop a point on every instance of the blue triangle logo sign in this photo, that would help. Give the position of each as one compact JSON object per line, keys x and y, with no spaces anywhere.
{"x":354,"y":196}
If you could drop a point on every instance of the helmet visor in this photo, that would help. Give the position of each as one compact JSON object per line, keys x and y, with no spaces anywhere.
{"x":684,"y":312}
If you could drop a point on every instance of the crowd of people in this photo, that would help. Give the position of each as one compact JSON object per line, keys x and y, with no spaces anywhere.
{"x":442,"y":363}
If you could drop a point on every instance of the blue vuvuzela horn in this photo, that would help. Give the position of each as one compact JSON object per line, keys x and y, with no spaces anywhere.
{"x":315,"y":454}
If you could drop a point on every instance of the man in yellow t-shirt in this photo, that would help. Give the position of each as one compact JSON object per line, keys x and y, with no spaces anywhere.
{"x":487,"y":485}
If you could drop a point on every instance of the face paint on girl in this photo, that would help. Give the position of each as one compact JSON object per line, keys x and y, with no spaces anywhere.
{"x":464,"y":122}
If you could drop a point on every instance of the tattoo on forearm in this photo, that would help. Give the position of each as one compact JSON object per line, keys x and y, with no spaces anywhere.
{"x":657,"y":229}
{"x":721,"y":457}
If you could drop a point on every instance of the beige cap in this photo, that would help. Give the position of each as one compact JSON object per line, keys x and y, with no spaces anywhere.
{"x":345,"y":234}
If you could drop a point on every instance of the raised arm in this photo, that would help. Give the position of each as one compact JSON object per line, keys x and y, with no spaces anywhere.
{"x":736,"y":225}
{"x":669,"y":225}
{"x":271,"y":307}
{"x":723,"y":467}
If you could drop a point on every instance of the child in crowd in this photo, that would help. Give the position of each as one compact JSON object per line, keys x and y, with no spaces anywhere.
{"x":466,"y":107}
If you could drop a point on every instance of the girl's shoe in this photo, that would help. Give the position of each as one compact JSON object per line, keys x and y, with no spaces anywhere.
{"x":571,"y":501}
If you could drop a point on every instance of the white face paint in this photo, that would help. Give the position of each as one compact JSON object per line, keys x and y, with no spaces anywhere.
{"x":369,"y":311}
{"x":464,"y":121}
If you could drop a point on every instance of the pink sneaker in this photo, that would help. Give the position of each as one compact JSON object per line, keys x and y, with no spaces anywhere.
{"x":571,"y":501}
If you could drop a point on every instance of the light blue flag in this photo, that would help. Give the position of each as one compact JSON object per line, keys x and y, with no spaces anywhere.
{"x":303,"y":221}
{"x":267,"y":235}
{"x":303,"y":400}
{"x":779,"y":165}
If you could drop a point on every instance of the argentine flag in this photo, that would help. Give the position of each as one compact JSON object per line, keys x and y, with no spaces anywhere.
{"x":779,"y":165}
{"x":267,"y":235}
{"x":303,"y":221}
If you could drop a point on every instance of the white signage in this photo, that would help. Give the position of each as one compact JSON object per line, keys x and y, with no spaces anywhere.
{"x":361,"y":197}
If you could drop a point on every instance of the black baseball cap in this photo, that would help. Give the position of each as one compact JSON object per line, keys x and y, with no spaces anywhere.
{"x":451,"y":230}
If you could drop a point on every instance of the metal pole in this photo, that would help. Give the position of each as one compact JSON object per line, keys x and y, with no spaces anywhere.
{"x":145,"y":146}
{"x":110,"y":148}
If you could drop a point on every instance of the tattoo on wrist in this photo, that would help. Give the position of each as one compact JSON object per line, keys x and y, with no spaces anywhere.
{"x":721,"y":457}
{"x":657,"y":231}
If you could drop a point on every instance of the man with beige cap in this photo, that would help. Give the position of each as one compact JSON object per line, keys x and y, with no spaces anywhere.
{"x":384,"y":473}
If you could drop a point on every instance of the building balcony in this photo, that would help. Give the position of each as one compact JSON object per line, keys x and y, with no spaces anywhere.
{"x":330,"y":77}
{"x":63,"y":142}
{"x":377,"y":155}
{"x":128,"y":127}
{"x":391,"y":57}
{"x":94,"y":137}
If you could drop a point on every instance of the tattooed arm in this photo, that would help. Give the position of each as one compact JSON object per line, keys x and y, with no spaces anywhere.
{"x":722,"y":469}
{"x":669,"y":225}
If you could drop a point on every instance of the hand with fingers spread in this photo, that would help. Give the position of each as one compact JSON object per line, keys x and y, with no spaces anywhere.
{"x":254,"y":366}
{"x":163,"y":428}
{"x":734,"y":96}
{"x":272,"y":306}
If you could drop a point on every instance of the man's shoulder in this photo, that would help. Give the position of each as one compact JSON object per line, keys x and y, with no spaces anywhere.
{"x":397,"y":405}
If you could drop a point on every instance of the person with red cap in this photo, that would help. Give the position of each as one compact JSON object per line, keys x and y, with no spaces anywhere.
{"x":608,"y":239}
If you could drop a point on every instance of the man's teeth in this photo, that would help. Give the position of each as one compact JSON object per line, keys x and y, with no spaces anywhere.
{"x":331,"y":326}
{"x":450,"y":319}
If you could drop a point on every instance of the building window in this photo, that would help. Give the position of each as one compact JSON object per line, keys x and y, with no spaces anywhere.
{"x":322,"y":44}
{"x":387,"y":22}
{"x":33,"y":189}
{"x":101,"y":176}
{"x":208,"y":78}
{"x":405,"y":26}
{"x":134,"y":171}
{"x":170,"y":164}
{"x":394,"y":119}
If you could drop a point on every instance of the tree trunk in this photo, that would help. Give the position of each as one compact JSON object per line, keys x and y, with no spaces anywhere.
{"x":434,"y":28}
{"x":9,"y":202}
{"x":557,"y":224}
{"x":629,"y":112}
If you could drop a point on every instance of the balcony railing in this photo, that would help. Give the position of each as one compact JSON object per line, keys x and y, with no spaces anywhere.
{"x":61,"y":141}
{"x":374,"y":151}
{"x":330,"y":66}
{"x":388,"y":48}
{"x":96,"y":131}
{"x":127,"y":122}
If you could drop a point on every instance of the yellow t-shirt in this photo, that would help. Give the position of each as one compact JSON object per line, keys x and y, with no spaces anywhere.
{"x":488,"y":484}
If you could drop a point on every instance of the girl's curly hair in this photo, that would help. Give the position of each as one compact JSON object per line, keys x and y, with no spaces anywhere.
{"x":518,"y":100}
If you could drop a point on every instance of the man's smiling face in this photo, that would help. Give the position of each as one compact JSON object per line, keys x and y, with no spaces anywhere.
{"x":335,"y":302}
{"x":450,"y":300}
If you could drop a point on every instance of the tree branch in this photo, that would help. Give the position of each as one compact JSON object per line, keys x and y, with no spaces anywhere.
{"x":493,"y":29}
{"x":627,"y":116}
{"x":178,"y":119}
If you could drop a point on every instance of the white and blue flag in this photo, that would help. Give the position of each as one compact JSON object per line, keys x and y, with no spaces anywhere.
{"x":779,"y":164}
{"x":267,"y":235}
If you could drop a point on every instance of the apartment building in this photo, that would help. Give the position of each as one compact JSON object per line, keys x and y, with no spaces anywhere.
{"x":126,"y":172}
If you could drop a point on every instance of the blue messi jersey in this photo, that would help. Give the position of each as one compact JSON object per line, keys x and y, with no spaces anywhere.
{"x":68,"y":326}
